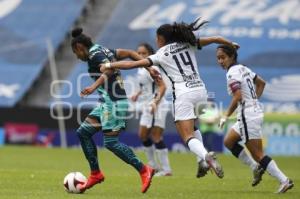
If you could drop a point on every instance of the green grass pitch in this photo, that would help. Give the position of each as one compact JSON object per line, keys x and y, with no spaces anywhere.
{"x":32,"y":172}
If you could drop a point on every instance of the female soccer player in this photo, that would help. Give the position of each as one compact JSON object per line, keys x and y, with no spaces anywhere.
{"x":246,"y":87}
{"x":109,"y":115}
{"x":176,"y":57}
{"x":152,"y":122}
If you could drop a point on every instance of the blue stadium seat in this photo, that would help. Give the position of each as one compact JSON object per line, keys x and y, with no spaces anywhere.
{"x":23,"y":35}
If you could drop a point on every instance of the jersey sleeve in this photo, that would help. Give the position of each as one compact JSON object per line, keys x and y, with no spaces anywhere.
{"x":253,"y":75}
{"x":196,"y":33}
{"x":234,"y":80}
{"x":114,"y":52}
{"x":154,"y":59}
{"x":98,"y":58}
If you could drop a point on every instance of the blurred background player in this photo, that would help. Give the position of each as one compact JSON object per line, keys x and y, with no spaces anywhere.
{"x":152,"y":122}
{"x":246,"y":87}
{"x":209,"y":116}
{"x":177,"y":45}
{"x":109,"y":116}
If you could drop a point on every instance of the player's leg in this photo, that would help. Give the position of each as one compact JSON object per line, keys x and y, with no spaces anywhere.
{"x":267,"y":163}
{"x":112,"y":123}
{"x":161,"y":151}
{"x":184,"y":111}
{"x":85,"y":133}
{"x":231,"y":142}
{"x":203,"y":167}
{"x":186,"y":131}
{"x":144,"y":135}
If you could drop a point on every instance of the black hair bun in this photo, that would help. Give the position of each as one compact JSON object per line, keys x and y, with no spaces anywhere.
{"x":76,"y":32}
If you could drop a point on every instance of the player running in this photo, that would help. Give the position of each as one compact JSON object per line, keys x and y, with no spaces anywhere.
{"x":109,"y":116}
{"x":176,"y":58}
{"x":246,"y":87}
{"x":152,"y":122}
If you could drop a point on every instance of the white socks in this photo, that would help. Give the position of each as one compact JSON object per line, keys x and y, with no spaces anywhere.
{"x":151,"y":156}
{"x":274,"y":171}
{"x":162,"y":155}
{"x":197,"y":147}
{"x":198,"y":135}
{"x":247,"y":159}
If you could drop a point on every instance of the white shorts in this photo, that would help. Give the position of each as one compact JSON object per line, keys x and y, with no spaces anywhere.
{"x":185,"y":105}
{"x":158,"y":119}
{"x":249,"y":129}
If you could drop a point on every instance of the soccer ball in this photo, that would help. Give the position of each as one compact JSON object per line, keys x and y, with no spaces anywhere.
{"x":72,"y":180}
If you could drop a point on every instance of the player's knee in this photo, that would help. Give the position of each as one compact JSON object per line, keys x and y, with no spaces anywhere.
{"x":110,"y":143}
{"x":257,"y":156}
{"x":143,"y":136}
{"x":80,"y":132}
{"x":228,"y":144}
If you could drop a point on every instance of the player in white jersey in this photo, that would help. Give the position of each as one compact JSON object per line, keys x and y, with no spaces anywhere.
{"x":246,"y":87}
{"x":176,"y":58}
{"x":152,"y":123}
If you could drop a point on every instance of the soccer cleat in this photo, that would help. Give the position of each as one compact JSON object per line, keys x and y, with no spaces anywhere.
{"x":202,"y":170}
{"x":288,"y":184}
{"x":95,"y":178}
{"x":163,"y":173}
{"x":211,"y":160}
{"x":257,"y":175}
{"x":146,"y":174}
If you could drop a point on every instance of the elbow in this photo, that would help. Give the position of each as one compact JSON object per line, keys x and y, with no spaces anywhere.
{"x":262,"y":85}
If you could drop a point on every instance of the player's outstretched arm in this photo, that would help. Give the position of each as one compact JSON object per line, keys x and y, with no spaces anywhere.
{"x":204,"y":41}
{"x":125,"y":65}
{"x":125,"y":53}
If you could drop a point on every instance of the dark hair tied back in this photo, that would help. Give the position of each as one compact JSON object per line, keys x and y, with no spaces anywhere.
{"x":229,"y":50}
{"x":76,"y":32}
{"x":79,"y":37}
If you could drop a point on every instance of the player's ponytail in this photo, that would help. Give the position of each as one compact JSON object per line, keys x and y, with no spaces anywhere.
{"x":181,"y":32}
{"x":79,"y":37}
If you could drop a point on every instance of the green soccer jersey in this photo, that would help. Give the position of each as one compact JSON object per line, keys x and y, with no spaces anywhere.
{"x":113,"y":89}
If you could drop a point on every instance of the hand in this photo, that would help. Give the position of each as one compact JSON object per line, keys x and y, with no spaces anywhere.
{"x":87,"y":91}
{"x":154,"y":73}
{"x":102,"y":68}
{"x":235,"y":45}
{"x":152,"y":107}
{"x":134,"y":98}
{"x":222,"y":121}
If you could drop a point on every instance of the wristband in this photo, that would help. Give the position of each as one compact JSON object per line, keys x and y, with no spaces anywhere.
{"x":107,"y":65}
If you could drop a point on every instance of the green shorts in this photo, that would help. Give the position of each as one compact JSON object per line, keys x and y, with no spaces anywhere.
{"x":112,"y":115}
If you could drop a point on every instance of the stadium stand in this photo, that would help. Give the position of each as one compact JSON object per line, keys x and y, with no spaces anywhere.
{"x":269,"y":42}
{"x":23,"y":35}
{"x":278,"y":32}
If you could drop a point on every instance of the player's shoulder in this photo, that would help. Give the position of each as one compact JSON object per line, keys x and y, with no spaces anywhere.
{"x":234,"y":71}
{"x":99,"y":53}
